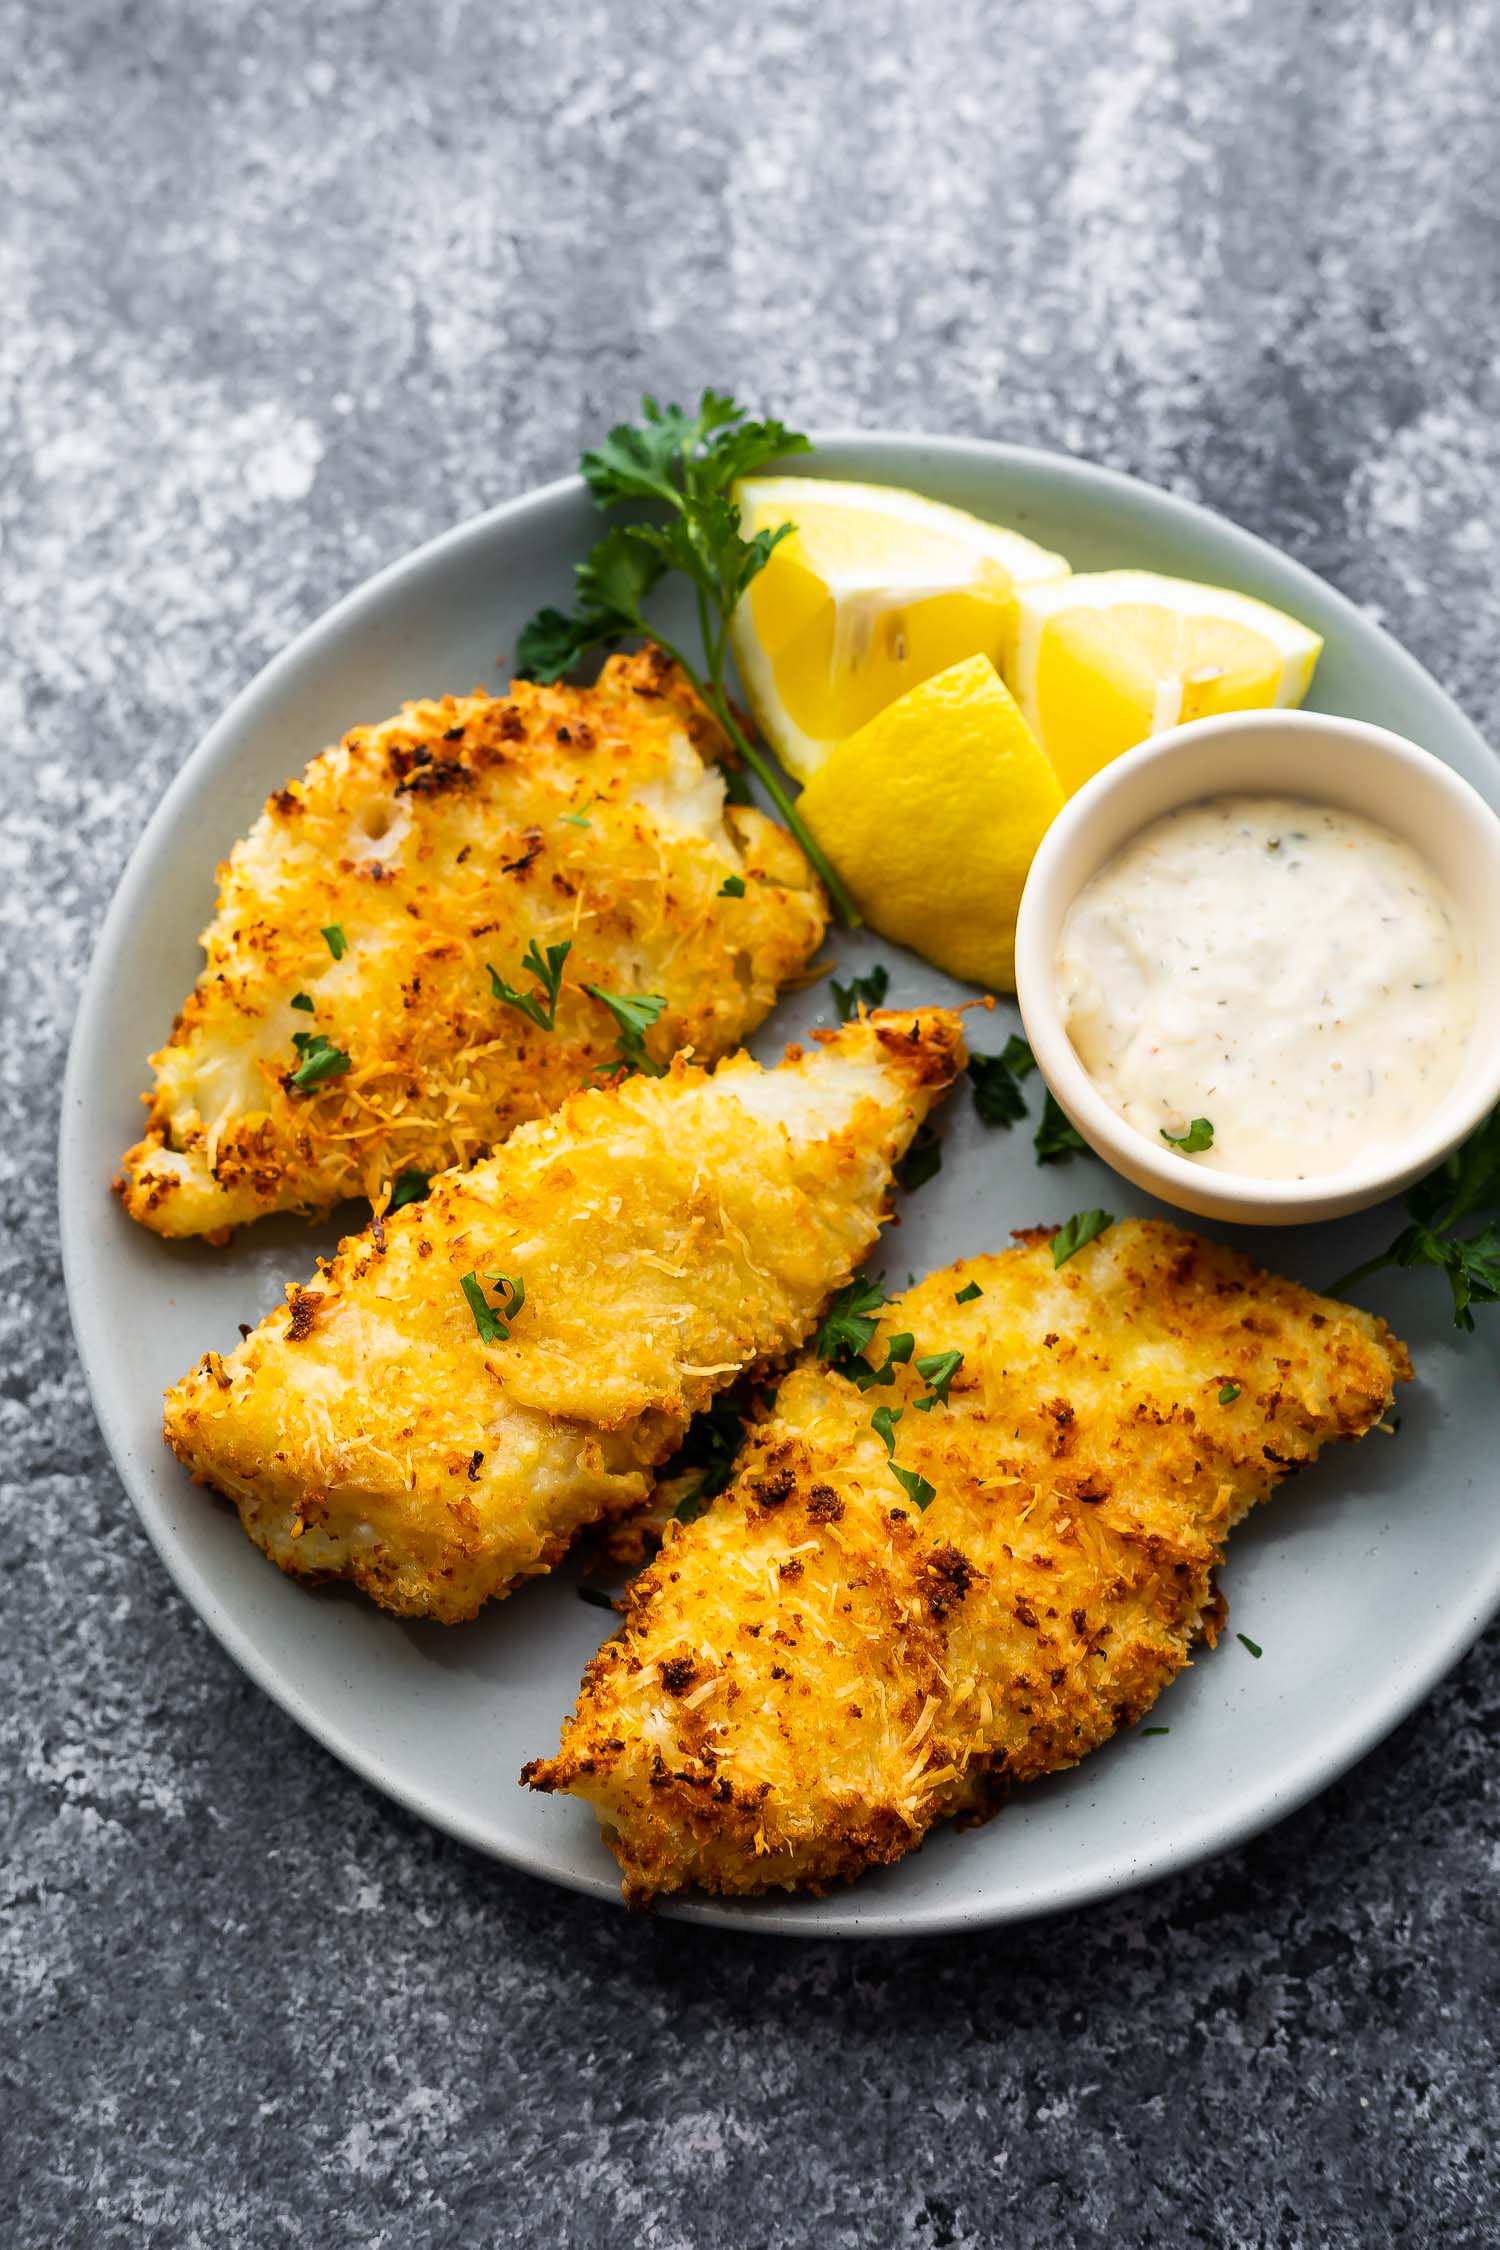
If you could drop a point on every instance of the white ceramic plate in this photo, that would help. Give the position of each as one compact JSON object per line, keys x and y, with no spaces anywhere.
{"x":1363,"y":1582}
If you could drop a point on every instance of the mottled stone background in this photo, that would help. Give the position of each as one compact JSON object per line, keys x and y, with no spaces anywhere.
{"x":285,"y":290}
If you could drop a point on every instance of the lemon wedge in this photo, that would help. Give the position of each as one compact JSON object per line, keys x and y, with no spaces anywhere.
{"x":932,"y":813}
{"x":1105,"y":659}
{"x":874,"y":591}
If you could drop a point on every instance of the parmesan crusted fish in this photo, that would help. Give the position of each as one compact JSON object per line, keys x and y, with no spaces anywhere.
{"x":476,"y":1377}
{"x":346,"y":1027}
{"x":831,"y":1659}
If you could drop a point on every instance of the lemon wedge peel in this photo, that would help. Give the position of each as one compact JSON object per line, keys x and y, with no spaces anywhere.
{"x":932,"y":813}
{"x":1106,"y":659}
{"x":876,"y":590}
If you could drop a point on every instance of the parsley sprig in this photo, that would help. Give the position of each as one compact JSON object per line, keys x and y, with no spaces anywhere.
{"x":635,"y":1013}
{"x":538,"y":1007}
{"x":683,"y":468}
{"x":996,"y":1080}
{"x":1467,"y":1183}
{"x":870,"y":989}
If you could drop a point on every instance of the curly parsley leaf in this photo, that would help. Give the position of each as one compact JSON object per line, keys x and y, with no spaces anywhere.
{"x":1055,"y":1139}
{"x":733,"y":886}
{"x":408,"y":1187}
{"x":1229,"y":1394}
{"x":492,"y":1321}
{"x":849,"y":1325}
{"x":335,"y":940}
{"x":703,"y":1464}
{"x":1199,"y":1136}
{"x":997,"y":1093}
{"x":305,"y":1002}
{"x":634,"y":1013}
{"x":870,"y":989}
{"x":922,"y":1161}
{"x":1083,"y":1227}
{"x":1466,"y":1182}
{"x":538,"y":1007}
{"x":682,"y":468}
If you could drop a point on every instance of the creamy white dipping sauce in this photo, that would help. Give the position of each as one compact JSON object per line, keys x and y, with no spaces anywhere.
{"x":1290,"y":971}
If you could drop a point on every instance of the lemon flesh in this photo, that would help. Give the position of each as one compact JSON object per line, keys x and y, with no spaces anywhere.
{"x":932,"y":813}
{"x":1105,"y":659}
{"x":875,"y":590}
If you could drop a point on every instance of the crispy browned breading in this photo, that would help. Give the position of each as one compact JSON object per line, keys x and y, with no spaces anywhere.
{"x":671,"y":1233}
{"x":815,"y":1671}
{"x":441,"y":844}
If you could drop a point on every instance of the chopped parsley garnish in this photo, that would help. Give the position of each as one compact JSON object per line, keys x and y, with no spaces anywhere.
{"x":305,"y":1002}
{"x":851,"y":1320}
{"x":538,"y":1007}
{"x":865,"y":1377}
{"x":1156,"y":1730}
{"x":704,"y":1462}
{"x":1084,"y":1226}
{"x":996,"y":1080}
{"x":408,"y":1187}
{"x":733,"y":886}
{"x":967,"y":1296}
{"x":1055,"y":1139}
{"x":920,"y":1493}
{"x":635,"y":1013}
{"x":922,"y":1160}
{"x":1465,"y":1183}
{"x":871,"y":988}
{"x":492,"y":1321}
{"x":681,"y":469}
{"x":596,"y":1598}
{"x":1229,"y":1394}
{"x":883,"y":1422}
{"x":1253,"y":1646}
{"x":336,"y":941}
{"x":1199,"y":1136}
{"x":938,"y":1369}
{"x":320,"y":1060}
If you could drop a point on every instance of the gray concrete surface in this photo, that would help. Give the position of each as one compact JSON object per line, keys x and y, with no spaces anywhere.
{"x":285,"y":290}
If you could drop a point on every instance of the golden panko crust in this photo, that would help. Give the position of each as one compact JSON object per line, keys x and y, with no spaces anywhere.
{"x":441,"y":844}
{"x":670,"y":1233}
{"x":816,"y":1671}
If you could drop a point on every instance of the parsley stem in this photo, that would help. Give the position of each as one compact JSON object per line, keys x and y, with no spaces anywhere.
{"x":712,"y":692}
{"x":1358,"y":1274}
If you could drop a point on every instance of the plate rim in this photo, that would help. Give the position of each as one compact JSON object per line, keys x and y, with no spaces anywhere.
{"x":1411,"y":1679}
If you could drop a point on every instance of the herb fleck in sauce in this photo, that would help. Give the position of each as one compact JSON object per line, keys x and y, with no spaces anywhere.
{"x":1292,"y":971}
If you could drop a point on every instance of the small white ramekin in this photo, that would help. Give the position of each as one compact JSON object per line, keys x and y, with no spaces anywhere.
{"x":1332,"y":761}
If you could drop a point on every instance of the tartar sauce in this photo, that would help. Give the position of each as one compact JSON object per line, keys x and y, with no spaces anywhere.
{"x":1291,"y":972}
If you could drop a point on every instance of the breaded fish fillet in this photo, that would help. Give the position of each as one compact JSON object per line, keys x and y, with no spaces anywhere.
{"x":669,"y":1234}
{"x":370,"y":902}
{"x":818,"y":1669}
